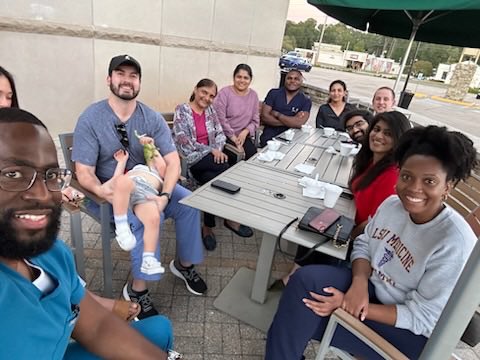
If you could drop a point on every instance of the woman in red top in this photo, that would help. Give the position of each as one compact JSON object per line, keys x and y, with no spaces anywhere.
{"x":374,"y":176}
{"x":375,"y":172}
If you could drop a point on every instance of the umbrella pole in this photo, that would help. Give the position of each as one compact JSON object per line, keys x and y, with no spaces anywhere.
{"x":416,"y":25}
{"x":411,"y":67}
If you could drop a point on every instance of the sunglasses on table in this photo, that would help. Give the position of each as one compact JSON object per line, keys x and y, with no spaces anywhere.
{"x":122,"y":132}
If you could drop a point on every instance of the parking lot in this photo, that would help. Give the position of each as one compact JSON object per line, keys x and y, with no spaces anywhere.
{"x":464,"y":116}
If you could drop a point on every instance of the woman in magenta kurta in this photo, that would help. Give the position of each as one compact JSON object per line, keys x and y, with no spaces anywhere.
{"x":237,"y":109}
{"x":199,"y":138}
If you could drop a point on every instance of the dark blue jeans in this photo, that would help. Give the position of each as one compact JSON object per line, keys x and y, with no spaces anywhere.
{"x":294,"y":324}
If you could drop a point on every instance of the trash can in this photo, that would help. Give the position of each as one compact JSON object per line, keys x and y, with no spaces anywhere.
{"x":283,"y":75}
{"x":405,"y":99}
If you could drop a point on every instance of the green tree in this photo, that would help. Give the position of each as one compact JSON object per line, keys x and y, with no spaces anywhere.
{"x":305,"y":33}
{"x":424,"y":67}
{"x":289,"y":43}
{"x":359,"y":46}
{"x":338,"y":34}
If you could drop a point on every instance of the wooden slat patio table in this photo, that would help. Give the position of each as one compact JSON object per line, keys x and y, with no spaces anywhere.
{"x":255,"y":205}
{"x":313,"y":137}
{"x":331,"y":167}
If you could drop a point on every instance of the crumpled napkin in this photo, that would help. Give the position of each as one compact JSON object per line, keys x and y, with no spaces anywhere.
{"x":305,"y":168}
{"x":307,"y":183}
{"x":268,"y":156}
{"x":331,"y":150}
{"x":320,"y":195}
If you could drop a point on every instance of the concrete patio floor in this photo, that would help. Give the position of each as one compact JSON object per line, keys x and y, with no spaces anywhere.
{"x":201,"y":331}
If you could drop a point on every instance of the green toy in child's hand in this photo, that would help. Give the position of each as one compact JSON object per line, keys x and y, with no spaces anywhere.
{"x":148,"y":149}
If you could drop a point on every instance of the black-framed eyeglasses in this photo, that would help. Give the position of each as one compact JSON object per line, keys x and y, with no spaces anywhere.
{"x":122,"y":131}
{"x":22,"y":178}
{"x":356,"y":125}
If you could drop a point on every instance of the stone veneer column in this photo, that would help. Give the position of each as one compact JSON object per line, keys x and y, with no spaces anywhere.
{"x":461,"y":79}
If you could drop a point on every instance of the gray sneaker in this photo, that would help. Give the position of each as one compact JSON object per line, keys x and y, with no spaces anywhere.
{"x":192,"y":279}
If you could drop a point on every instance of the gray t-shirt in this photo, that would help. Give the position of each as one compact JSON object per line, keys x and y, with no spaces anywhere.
{"x":96,"y":139}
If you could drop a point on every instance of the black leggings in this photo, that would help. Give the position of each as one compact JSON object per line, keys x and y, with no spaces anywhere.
{"x":204,"y":171}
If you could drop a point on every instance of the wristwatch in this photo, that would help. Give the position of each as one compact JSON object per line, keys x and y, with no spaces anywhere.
{"x":167,"y":194}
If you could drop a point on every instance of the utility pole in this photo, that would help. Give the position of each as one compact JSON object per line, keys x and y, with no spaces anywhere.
{"x":321,"y":38}
{"x":392,"y":47}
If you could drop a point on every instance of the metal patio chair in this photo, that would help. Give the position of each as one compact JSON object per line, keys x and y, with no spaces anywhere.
{"x":103,"y":218}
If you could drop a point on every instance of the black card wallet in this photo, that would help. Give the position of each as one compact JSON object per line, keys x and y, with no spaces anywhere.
{"x":340,"y":230}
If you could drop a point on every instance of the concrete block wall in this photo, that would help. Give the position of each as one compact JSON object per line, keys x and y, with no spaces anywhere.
{"x":58,"y":50}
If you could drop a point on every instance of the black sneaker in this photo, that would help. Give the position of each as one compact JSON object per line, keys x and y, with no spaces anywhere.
{"x":140,"y":297}
{"x":192,"y":279}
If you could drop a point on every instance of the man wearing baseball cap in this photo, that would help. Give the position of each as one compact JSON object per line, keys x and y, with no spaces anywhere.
{"x":110,"y":125}
{"x":120,"y":60}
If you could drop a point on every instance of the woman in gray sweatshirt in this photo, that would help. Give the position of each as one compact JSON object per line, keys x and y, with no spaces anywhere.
{"x":404,"y":266}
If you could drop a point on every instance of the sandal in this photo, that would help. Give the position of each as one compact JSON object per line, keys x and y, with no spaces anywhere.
{"x":121,"y":308}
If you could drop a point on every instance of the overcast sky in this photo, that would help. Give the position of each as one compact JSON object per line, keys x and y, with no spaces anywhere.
{"x":300,"y":10}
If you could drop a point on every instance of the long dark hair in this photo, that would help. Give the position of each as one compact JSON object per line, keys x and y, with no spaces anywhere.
{"x":203,"y":83}
{"x":398,"y":124}
{"x":12,"y":85}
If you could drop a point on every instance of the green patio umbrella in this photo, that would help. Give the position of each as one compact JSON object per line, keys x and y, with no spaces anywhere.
{"x":450,"y":22}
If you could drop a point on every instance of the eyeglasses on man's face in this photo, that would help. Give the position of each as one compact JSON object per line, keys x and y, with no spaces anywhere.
{"x":22,"y":178}
{"x":356,"y":125}
{"x":122,"y":131}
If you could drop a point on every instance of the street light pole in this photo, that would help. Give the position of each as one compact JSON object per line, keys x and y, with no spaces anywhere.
{"x":323,"y":31}
{"x":321,"y":38}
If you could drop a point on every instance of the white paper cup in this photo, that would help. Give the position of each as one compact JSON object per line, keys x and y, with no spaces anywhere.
{"x":332,"y":193}
{"x":273,"y":145}
{"x":289,"y":134}
{"x":328,"y":131}
{"x":346,"y":149}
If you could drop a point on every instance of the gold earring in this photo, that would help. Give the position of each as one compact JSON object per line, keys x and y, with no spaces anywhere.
{"x":444,"y":197}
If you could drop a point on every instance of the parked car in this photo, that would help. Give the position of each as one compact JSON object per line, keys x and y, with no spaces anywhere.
{"x":294,"y":62}
{"x":293,"y":53}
